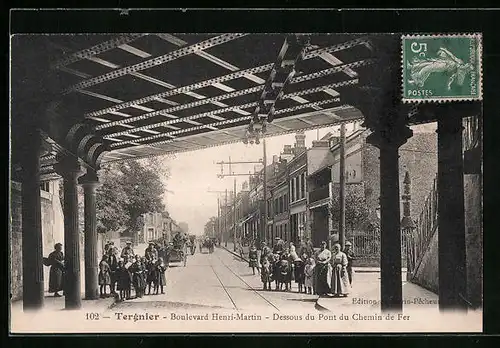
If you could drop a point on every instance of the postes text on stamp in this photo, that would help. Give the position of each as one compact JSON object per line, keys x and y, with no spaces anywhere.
{"x":441,"y":68}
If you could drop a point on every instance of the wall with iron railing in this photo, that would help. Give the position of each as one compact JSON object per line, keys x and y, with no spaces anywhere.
{"x":417,"y":241}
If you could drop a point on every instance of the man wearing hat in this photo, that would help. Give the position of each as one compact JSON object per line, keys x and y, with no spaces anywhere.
{"x":128,"y":252}
{"x":279,"y":246}
{"x":151,"y":253}
{"x":350,"y":257}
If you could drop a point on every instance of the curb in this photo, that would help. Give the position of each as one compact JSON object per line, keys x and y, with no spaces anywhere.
{"x":320,"y":307}
{"x":235,"y":254}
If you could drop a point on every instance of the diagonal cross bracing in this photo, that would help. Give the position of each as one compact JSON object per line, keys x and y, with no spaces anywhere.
{"x":97,"y":49}
{"x":231,"y":76}
{"x":234,"y":120}
{"x":155,"y":61}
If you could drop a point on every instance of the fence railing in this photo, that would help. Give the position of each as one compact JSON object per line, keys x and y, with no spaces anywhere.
{"x":418,"y":241}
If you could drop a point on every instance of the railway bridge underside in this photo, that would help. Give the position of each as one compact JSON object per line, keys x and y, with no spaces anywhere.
{"x":81,"y":101}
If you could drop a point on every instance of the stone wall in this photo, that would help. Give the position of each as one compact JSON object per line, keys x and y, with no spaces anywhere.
{"x":52,"y":232}
{"x":15,"y":242}
{"x":474,"y":238}
{"x":427,"y":273}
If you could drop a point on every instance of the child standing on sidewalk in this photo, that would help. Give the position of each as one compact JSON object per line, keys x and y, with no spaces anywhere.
{"x":309,"y":276}
{"x":161,"y":281}
{"x":104,"y":276}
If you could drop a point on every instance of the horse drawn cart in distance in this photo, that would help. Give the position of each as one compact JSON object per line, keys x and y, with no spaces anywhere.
{"x":207,"y":243}
{"x":177,"y":250}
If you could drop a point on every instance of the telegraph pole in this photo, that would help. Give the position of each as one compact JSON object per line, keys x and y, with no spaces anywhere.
{"x":219,"y":232}
{"x":262,"y":237}
{"x":225,"y":218}
{"x":234,"y":214}
{"x":231,"y":173}
{"x":342,"y":187}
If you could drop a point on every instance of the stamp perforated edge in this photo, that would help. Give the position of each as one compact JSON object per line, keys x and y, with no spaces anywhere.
{"x":479,"y":36}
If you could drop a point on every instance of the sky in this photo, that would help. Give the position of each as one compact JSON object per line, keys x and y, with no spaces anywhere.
{"x":194,"y":174}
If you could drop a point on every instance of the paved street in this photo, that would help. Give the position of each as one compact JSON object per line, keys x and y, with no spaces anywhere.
{"x":218,"y":280}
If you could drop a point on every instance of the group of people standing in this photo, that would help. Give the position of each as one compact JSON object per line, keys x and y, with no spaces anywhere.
{"x":320,"y":272}
{"x":132,"y":271}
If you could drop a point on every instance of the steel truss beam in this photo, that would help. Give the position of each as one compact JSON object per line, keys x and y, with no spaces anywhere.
{"x":155,"y":61}
{"x":230,"y":108}
{"x":222,"y":110}
{"x":97,"y":49}
{"x":283,"y":70}
{"x":228,"y":77}
{"x":234,"y":120}
{"x":238,"y":140}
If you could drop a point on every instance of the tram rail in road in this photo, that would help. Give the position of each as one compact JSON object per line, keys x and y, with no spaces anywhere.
{"x":243,"y":281}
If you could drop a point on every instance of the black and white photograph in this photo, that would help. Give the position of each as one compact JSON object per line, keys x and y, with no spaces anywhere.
{"x":242,"y":182}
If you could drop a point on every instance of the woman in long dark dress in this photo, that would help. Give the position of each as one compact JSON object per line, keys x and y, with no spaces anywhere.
{"x":323,"y":271}
{"x":56,"y":263}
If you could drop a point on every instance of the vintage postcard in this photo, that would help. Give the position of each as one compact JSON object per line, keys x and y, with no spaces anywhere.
{"x":237,"y":182}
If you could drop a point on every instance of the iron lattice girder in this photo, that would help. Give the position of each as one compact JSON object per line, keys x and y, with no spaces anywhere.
{"x":97,"y":49}
{"x":228,"y":142}
{"x":155,"y":61}
{"x":234,"y":120}
{"x":283,"y":70}
{"x":226,"y":109}
{"x":228,"y":77}
{"x":238,"y":93}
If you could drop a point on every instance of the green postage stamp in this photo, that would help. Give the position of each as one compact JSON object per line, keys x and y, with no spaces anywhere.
{"x":441,"y":68}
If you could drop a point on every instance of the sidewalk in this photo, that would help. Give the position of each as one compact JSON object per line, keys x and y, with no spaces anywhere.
{"x":414,"y":297}
{"x":52,"y":303}
{"x":246,"y":250}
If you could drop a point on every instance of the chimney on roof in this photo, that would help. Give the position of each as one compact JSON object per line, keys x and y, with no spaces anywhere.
{"x":300,"y":140}
{"x":300,"y":143}
{"x":287,"y":154}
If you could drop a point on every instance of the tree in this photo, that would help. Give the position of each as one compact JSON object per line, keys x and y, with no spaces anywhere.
{"x":209,"y":226}
{"x":356,"y":208}
{"x":144,"y":190}
{"x":111,"y":199}
{"x":128,"y":191}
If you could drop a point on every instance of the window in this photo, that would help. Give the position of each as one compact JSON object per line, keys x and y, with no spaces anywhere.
{"x":45,"y":186}
{"x":286,"y":202}
{"x":299,"y":187}
{"x":303,"y":185}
